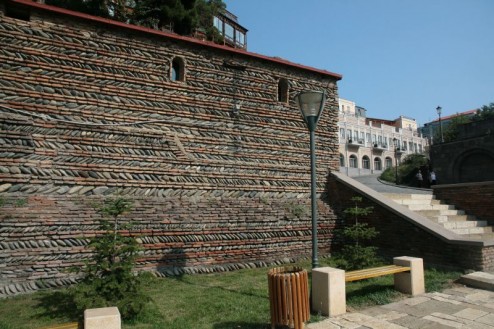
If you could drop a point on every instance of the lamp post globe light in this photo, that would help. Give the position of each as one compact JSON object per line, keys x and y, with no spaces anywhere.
{"x":311,"y":104}
{"x":439,"y":109}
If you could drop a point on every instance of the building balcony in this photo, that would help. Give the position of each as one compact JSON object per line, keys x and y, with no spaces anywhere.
{"x":355,"y":142}
{"x":380,"y":147}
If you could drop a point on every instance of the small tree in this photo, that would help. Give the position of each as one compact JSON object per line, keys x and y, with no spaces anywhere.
{"x":356,"y":253}
{"x":108,"y":276}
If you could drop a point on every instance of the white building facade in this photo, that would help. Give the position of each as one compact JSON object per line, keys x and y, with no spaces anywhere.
{"x":370,"y":145}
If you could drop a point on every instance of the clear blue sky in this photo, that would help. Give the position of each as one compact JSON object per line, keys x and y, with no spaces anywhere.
{"x":397,"y":57}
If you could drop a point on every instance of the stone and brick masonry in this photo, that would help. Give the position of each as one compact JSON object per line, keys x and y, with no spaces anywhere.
{"x":89,"y":111}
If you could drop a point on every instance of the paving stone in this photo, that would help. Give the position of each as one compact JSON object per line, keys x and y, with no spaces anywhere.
{"x":487,"y":319}
{"x":470,"y":314}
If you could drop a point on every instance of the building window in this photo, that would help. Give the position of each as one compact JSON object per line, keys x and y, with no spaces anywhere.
{"x":229,"y":31}
{"x":178,"y":69}
{"x":368,"y":137}
{"x":218,"y":24}
{"x":283,"y":90}
{"x":342,"y":134}
{"x":240,"y":38}
{"x":389,"y":162}
{"x":342,"y":160}
{"x":377,"y":164}
{"x":353,"y":161}
{"x":365,"y":162}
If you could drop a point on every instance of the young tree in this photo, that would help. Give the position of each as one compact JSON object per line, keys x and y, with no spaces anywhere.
{"x":108,"y":278}
{"x":357,"y":253}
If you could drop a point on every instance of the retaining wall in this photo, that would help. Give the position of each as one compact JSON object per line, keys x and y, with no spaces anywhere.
{"x":89,"y":111}
{"x":405,"y":233}
{"x":475,"y":198}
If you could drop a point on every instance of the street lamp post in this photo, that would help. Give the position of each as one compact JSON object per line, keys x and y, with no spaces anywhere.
{"x":439,"y":109}
{"x":395,"y":141}
{"x":311,"y":104}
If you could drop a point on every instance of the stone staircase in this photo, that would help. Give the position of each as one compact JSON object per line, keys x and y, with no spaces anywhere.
{"x":446,"y":215}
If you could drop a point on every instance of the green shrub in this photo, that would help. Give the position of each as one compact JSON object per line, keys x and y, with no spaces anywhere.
{"x":406,"y":170}
{"x":108,"y":277}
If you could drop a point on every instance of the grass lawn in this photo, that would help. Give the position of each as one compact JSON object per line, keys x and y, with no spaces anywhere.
{"x":216,"y":301}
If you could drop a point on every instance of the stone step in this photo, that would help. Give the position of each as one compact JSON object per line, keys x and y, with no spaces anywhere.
{"x":446,"y":215}
{"x":434,"y":213}
{"x":464,"y":224}
{"x":454,"y":218}
{"x":419,"y":207}
{"x":416,"y":201}
{"x":473,"y":230}
{"x":400,"y":196}
{"x":484,"y":236}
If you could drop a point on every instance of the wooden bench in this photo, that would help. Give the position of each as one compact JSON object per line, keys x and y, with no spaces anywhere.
{"x":329,"y":290}
{"x":375,"y":272}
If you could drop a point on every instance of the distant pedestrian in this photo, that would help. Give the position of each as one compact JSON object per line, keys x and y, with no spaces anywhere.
{"x":433,"y":177}
{"x":419,"y":178}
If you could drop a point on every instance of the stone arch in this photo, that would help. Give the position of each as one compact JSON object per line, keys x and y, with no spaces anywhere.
{"x":474,"y":165}
{"x":365,"y":162}
{"x":353,"y":161}
{"x":378,"y":163}
{"x":177,"y":72}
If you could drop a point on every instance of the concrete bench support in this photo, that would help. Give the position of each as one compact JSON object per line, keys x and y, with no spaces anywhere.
{"x":410,"y":282}
{"x":329,"y":287}
{"x":328,"y":291}
{"x":98,"y":318}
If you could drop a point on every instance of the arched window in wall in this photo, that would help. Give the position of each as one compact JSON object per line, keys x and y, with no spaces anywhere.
{"x":377,"y":163}
{"x":342,"y":160}
{"x":365,"y":162}
{"x":389,"y":162}
{"x":283,"y":90}
{"x":178,"y":69}
{"x":353,"y":161}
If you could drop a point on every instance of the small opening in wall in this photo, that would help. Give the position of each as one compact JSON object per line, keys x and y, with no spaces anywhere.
{"x":16,"y":11}
{"x":178,"y":69}
{"x":283,"y":90}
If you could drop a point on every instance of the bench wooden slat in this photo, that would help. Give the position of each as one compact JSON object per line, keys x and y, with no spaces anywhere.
{"x":71,"y":325}
{"x":374,"y":272}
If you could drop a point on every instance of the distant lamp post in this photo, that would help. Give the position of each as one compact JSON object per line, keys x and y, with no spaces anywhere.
{"x":395,"y":142}
{"x":439,"y":109}
{"x":311,"y":104}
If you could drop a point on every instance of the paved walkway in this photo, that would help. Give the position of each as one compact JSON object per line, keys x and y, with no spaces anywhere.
{"x":458,"y":307}
{"x":372,"y":182}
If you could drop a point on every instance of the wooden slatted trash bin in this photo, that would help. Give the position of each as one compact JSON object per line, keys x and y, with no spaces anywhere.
{"x":289,"y":297}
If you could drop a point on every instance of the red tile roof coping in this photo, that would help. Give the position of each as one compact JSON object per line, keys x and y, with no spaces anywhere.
{"x":470,"y":112}
{"x":31,"y":3}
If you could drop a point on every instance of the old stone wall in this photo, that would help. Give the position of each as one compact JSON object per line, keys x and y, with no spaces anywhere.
{"x":475,"y":198}
{"x":469,"y":158}
{"x":399,"y":237}
{"x":89,"y":110}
